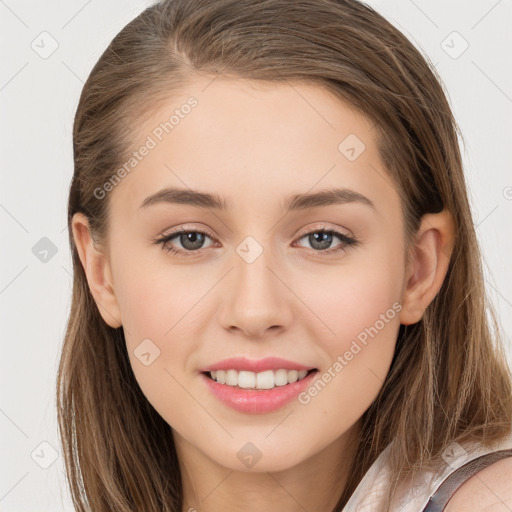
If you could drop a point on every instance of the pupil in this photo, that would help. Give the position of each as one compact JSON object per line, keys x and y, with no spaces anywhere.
{"x":192,"y":240}
{"x":320,"y":240}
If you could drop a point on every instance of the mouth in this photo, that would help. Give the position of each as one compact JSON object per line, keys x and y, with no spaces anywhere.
{"x":268,"y":379}
{"x":258,"y":392}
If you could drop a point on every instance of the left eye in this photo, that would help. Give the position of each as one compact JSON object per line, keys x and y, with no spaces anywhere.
{"x":192,"y":240}
{"x":321,"y":239}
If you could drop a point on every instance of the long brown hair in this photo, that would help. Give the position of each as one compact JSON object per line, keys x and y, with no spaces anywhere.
{"x":449,"y":380}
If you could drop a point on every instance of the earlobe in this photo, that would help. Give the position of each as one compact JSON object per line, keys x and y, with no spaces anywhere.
{"x":428,"y":265}
{"x":97,"y":270}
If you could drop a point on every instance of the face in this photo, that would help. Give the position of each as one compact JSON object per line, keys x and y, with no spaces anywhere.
{"x":315,"y":282}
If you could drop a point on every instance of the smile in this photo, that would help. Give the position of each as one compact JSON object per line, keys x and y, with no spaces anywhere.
{"x":253,"y":399}
{"x":263,"y":380}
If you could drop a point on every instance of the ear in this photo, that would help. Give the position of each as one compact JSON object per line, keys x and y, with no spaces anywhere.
{"x":97,"y":269}
{"x":427,"y":264}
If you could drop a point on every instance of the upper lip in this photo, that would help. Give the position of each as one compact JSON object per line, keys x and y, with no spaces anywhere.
{"x":255,"y":365}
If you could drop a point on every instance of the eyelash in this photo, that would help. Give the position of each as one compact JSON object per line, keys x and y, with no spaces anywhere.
{"x":164,"y":241}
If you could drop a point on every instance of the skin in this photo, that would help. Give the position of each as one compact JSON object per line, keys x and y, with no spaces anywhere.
{"x":256,"y":145}
{"x":488,"y":490}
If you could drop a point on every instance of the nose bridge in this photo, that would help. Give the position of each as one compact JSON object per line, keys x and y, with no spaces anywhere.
{"x":255,"y":284}
{"x":254,"y":299}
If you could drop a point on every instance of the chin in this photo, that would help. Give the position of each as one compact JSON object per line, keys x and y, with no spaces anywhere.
{"x":250,"y":458}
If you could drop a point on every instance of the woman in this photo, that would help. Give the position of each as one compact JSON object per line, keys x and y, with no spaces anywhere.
{"x":278,"y":300}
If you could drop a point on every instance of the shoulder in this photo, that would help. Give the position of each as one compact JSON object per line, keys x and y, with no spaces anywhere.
{"x":490,"y":489}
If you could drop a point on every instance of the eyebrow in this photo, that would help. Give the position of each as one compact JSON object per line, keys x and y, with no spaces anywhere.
{"x":296,"y":202}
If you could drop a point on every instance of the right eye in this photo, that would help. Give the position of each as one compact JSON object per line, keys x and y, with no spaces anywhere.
{"x":191,"y":241}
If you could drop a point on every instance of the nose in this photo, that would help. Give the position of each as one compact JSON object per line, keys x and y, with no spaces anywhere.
{"x":255,"y":298}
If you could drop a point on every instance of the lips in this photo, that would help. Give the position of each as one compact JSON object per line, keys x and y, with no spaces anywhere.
{"x":256,"y":365}
{"x":257,"y":385}
{"x":257,"y":401}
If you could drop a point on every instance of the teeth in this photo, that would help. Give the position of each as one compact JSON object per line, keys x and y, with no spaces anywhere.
{"x":281,"y":377}
{"x":231,"y":377}
{"x":244,"y":379}
{"x":293,"y":376}
{"x":263,"y":380}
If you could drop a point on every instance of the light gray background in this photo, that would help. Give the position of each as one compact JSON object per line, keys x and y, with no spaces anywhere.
{"x":38,"y":99}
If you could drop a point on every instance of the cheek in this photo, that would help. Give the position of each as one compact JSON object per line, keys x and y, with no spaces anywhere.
{"x":156,"y":299}
{"x":159,"y":308}
{"x":356,"y":302}
{"x":362,"y":309}
{"x":359,"y":310}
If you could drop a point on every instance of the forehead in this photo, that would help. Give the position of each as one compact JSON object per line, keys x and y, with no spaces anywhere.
{"x":256,"y":140}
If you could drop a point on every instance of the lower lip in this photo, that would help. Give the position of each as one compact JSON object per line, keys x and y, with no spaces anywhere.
{"x":258,"y":401}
